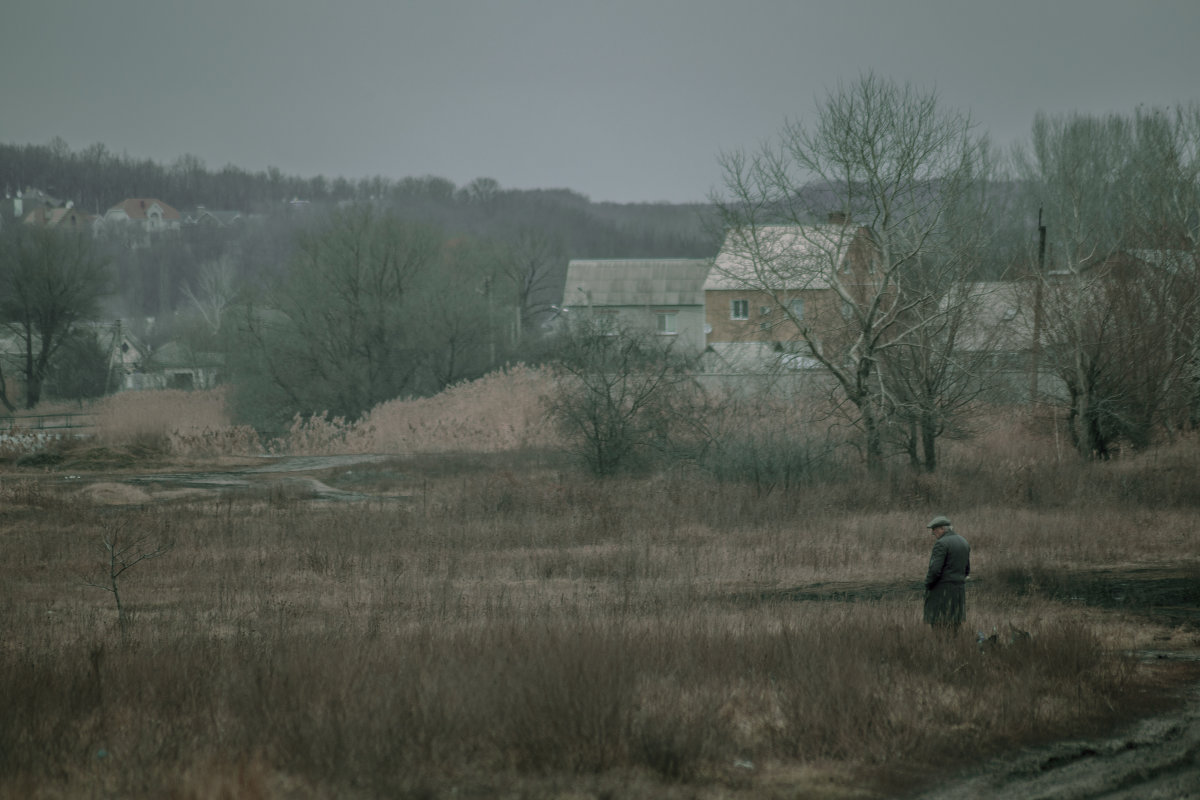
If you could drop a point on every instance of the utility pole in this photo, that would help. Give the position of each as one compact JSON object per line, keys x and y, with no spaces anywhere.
{"x":113,"y":358}
{"x":1037,"y":313}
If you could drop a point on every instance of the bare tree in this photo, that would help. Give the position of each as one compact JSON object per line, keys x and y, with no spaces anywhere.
{"x":49,"y":282}
{"x":896,"y":170}
{"x":340,"y":331}
{"x":461,"y":315}
{"x":616,"y":394}
{"x":533,"y":266}
{"x":214,"y":291}
{"x":121,"y":553}
{"x":933,"y":375}
{"x":1122,"y":209}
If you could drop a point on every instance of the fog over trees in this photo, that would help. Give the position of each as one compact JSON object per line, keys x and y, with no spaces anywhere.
{"x":331,"y":295}
{"x":495,"y":265}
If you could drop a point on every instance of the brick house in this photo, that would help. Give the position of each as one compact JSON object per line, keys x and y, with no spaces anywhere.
{"x":759,"y":272}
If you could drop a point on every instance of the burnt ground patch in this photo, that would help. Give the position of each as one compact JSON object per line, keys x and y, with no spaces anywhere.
{"x":1169,"y":595}
{"x":833,"y":592}
{"x":1166,"y":594}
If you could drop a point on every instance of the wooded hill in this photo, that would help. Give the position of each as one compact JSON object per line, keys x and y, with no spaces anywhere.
{"x":95,"y":178}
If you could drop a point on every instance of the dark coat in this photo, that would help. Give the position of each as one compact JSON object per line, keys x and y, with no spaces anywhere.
{"x":945,"y":591}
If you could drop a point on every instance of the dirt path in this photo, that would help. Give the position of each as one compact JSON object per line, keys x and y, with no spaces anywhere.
{"x":1155,"y":759}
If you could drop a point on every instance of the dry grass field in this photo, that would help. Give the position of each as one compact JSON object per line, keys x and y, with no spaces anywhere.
{"x":489,"y":622}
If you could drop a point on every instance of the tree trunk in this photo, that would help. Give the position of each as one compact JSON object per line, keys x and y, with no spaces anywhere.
{"x":929,"y":445}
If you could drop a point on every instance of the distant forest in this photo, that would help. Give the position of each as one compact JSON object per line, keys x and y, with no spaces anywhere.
{"x":156,"y":280}
{"x":95,"y":178}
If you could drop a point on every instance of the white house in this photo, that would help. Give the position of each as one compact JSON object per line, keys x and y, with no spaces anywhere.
{"x":665,"y":296}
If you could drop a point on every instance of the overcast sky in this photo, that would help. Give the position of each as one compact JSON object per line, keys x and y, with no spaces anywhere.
{"x":621,"y":101}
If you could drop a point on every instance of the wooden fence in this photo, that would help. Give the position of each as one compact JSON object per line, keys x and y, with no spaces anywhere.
{"x":62,"y":423}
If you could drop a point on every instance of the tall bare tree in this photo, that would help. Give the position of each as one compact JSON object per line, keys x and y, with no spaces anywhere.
{"x":336,"y":332}
{"x":1121,"y":196}
{"x":50,"y":281}
{"x":533,"y":265}
{"x":894,"y":171}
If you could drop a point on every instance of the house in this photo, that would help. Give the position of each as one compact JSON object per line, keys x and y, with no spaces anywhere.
{"x":17,"y":205}
{"x":997,"y":341}
{"x":763,"y":270}
{"x":151,"y":215}
{"x":211,"y":218}
{"x":177,"y":366}
{"x":665,"y":296}
{"x":65,"y":218}
{"x":126,"y":354}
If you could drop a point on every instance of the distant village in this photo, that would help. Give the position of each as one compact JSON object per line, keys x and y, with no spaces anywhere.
{"x":735,"y":320}
{"x":132,"y":363}
{"x":715,"y":310}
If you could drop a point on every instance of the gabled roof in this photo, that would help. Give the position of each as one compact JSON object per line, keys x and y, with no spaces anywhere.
{"x":781,"y":256}
{"x":136,"y":208}
{"x":636,"y":282}
{"x":67,"y":217}
{"x":218,"y":217}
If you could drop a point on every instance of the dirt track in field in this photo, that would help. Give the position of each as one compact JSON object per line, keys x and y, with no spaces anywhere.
{"x":1155,"y":759}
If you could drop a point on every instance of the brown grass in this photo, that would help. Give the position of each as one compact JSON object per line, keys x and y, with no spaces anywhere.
{"x":496,"y":627}
{"x":494,"y":624}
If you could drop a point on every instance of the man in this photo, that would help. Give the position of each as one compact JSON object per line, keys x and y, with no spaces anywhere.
{"x":949,"y":566}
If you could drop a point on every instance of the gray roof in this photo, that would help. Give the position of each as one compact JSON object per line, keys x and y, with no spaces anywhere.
{"x":781,"y":256}
{"x":636,"y":282}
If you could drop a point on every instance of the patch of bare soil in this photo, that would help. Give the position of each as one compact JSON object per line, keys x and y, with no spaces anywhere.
{"x":1169,"y":595}
{"x":1155,"y":759}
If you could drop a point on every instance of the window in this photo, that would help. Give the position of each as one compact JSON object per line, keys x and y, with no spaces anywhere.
{"x":666,"y":322}
{"x":739,"y":309}
{"x":797,"y":307}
